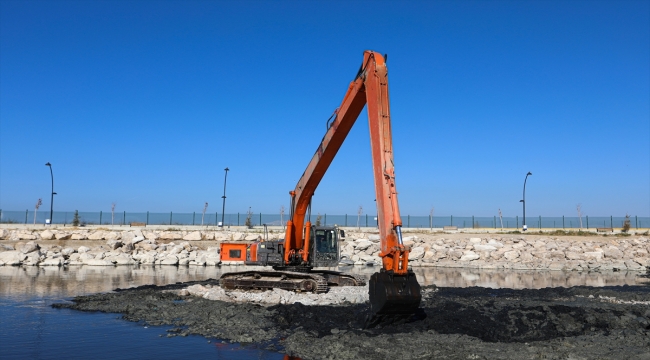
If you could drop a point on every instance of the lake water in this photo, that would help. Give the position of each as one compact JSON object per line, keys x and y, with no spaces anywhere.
{"x":31,"y":329}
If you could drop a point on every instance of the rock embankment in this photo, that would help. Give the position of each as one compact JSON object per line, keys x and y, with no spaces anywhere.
{"x":104,"y":247}
{"x":524,"y":252}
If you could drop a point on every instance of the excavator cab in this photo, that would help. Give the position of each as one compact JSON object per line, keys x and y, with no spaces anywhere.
{"x":325,"y":250}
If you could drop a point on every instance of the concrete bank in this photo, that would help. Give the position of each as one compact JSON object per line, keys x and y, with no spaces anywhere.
{"x":199,"y":247}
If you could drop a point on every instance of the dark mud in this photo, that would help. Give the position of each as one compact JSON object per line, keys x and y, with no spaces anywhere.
{"x":454,"y":323}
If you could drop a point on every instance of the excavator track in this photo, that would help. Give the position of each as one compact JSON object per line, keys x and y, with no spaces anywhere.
{"x":265,"y":280}
{"x":314,"y":281}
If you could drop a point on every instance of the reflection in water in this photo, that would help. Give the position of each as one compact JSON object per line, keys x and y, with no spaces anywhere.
{"x":515,"y":279}
{"x":56,"y":282}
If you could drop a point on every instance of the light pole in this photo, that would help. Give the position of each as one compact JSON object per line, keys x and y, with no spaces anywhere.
{"x":223,"y":209}
{"x":53,"y":193}
{"x":524,"y":201}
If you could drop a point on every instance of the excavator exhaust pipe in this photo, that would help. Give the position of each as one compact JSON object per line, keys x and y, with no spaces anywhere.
{"x":392,"y":294}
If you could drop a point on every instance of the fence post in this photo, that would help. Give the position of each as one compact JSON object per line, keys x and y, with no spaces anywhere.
{"x":260,"y":219}
{"x":517,"y":221}
{"x":26,"y":213}
{"x":451,"y":221}
{"x":540,"y":222}
{"x":587,"y":222}
{"x":636,"y":219}
{"x":472,"y":221}
{"x":325,"y":219}
{"x":124,"y":218}
{"x":346,"y":220}
{"x":562,"y":222}
{"x":100,"y":217}
{"x":611,"y":221}
{"x":147,"y":218}
{"x":408,"y":221}
{"x":237,"y":219}
{"x":170,"y":218}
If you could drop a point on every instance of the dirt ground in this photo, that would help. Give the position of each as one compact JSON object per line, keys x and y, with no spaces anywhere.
{"x":454,"y":323}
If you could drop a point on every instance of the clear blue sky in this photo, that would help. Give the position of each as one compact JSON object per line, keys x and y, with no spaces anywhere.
{"x":144,"y":103}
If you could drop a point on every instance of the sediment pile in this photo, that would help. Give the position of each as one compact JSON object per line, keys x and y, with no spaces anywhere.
{"x":470,"y":323}
{"x":103,"y":247}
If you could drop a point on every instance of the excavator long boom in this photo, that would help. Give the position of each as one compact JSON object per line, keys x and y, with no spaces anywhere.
{"x":395,"y":288}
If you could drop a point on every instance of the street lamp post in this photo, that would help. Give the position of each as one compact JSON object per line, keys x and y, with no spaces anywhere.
{"x":223,"y":209}
{"x":53,"y":193}
{"x":524,"y":201}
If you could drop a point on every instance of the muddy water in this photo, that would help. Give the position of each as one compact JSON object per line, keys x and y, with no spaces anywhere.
{"x":580,"y":322}
{"x":54,"y":282}
{"x":28,"y":321}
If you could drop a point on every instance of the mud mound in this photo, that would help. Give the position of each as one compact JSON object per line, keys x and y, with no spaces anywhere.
{"x":579,"y":322}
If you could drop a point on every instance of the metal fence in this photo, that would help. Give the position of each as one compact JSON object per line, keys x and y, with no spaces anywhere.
{"x":351,"y":220}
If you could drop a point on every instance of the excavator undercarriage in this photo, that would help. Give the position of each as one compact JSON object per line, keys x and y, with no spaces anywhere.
{"x":313,"y":281}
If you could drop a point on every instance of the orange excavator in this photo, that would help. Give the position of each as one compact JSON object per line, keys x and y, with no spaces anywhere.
{"x":394,"y":290}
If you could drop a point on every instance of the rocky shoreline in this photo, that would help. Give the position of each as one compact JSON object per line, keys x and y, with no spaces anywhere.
{"x":106,"y":247}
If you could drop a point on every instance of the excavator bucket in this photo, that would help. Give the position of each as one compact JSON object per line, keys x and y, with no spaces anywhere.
{"x":392,"y":294}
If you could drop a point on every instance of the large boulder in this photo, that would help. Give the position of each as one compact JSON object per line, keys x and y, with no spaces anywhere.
{"x":97,"y":235}
{"x":82,"y":249}
{"x":374,"y":238}
{"x":122,"y":259}
{"x":511,"y":255}
{"x":193,"y":236}
{"x":570,"y":255}
{"x":212,"y":260}
{"x":416,"y":253}
{"x":249,"y":237}
{"x":480,"y":247}
{"x":362,"y":245}
{"x":634,"y":266}
{"x":556,"y":254}
{"x":469,"y":256}
{"x":113,"y":235}
{"x":97,"y":262}
{"x":128,"y":236}
{"x":79,"y":236}
{"x":62,"y":235}
{"x":32,"y":259}
{"x":170,"y":235}
{"x":4,"y":234}
{"x":29,"y":247}
{"x":169,"y":260}
{"x":612,"y":252}
{"x":47,"y":235}
{"x":114,"y":244}
{"x":11,"y":258}
{"x":67,"y":251}
{"x":150,"y":235}
{"x":495,"y":243}
{"x":148,"y":246}
{"x":24,"y":235}
{"x":474,"y":241}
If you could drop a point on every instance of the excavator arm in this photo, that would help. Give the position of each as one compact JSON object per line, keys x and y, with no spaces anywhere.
{"x":394,"y":290}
